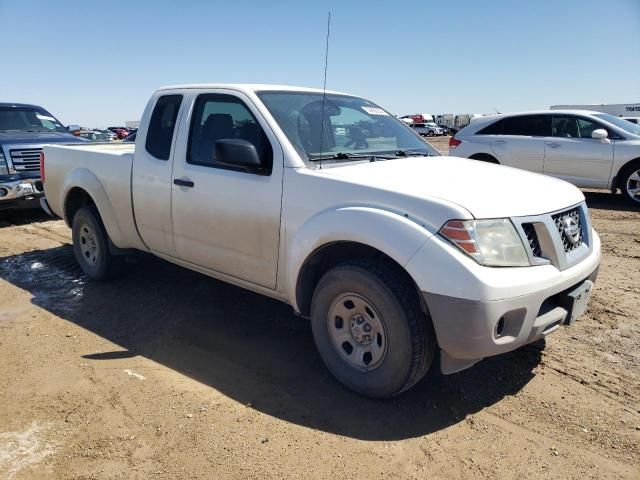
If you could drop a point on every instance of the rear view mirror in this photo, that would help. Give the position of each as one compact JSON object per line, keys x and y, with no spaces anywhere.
{"x":236,"y":152}
{"x":73,"y":128}
{"x":600,"y":134}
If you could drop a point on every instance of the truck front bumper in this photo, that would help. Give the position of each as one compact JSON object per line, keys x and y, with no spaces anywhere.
{"x":469,"y":330}
{"x":20,"y":190}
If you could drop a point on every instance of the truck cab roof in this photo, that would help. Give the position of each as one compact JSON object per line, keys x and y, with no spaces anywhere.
{"x":248,"y":87}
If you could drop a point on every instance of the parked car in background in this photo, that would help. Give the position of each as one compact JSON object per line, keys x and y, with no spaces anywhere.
{"x":93,"y":135}
{"x":445,"y":130}
{"x":588,"y":149}
{"x":24,"y":129}
{"x":635,"y":120}
{"x":427,"y":129}
{"x":131,"y":137}
{"x":109,"y":134}
{"x":393,"y":255}
{"x":121,"y":132}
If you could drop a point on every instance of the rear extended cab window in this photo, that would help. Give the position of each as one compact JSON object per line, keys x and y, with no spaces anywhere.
{"x":162,"y":125}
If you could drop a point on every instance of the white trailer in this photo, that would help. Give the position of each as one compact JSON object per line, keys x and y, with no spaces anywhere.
{"x":615,"y":109}
{"x":445,"y":119}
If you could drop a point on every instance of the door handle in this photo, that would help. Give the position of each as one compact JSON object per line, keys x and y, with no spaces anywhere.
{"x":183,"y":183}
{"x":500,"y":142}
{"x":553,"y":145}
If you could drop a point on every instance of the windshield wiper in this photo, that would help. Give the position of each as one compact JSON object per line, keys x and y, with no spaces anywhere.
{"x":352,"y":156}
{"x":410,"y":153}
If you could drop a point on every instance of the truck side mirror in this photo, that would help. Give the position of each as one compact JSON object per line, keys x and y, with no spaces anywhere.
{"x":75,"y":129}
{"x":239,"y":153}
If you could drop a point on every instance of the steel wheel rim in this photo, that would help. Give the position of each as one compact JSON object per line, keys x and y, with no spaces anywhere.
{"x":633,"y":186}
{"x":88,"y":244}
{"x":357,"y":331}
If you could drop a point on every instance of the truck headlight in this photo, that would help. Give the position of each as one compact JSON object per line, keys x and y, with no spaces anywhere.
{"x":494,"y":243}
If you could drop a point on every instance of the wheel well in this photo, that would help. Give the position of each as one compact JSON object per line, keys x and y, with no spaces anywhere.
{"x":618,"y":182}
{"x":76,"y":199}
{"x":484,"y":157}
{"x":328,"y":256}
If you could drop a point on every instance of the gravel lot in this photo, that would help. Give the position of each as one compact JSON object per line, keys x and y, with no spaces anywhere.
{"x":169,"y":374}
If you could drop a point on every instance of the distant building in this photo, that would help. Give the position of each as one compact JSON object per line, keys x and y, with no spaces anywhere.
{"x":132,"y":124}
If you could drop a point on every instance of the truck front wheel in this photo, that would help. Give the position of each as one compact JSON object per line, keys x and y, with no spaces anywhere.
{"x":370,"y":330}
{"x":91,"y":246}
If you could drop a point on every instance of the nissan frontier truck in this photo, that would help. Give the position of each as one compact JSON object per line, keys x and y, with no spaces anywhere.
{"x":327,"y":202}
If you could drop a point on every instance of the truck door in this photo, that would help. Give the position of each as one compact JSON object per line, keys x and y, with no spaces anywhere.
{"x":151,"y":175}
{"x":571,"y":153}
{"x":226,"y":219}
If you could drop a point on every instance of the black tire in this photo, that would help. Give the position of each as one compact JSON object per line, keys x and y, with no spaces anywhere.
{"x":91,"y":246}
{"x":626,"y":181}
{"x":430,"y":134}
{"x":484,"y":157}
{"x":410,"y":343}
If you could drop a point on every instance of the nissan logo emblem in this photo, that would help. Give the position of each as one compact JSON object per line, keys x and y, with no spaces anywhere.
{"x":571,"y":230}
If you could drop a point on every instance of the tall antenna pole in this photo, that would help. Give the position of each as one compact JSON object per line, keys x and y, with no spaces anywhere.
{"x":324,"y":84}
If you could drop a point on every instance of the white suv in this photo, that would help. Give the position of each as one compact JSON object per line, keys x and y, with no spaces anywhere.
{"x":588,"y":149}
{"x":429,"y":129}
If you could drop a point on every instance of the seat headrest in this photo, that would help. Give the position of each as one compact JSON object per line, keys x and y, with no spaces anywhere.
{"x":218,"y":125}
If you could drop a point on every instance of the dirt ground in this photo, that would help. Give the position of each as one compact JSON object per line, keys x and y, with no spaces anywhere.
{"x":172,"y":375}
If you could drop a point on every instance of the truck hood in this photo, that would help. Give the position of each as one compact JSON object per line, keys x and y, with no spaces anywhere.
{"x":486,"y":190}
{"x":17,"y":138}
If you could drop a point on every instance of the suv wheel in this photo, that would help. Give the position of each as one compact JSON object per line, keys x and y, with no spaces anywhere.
{"x":370,"y":330}
{"x":630,"y":182}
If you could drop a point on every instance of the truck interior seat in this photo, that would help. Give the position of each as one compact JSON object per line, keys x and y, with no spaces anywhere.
{"x":216,"y":127}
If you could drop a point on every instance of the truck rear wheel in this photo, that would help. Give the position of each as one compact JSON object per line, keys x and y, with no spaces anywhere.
{"x":370,"y":330}
{"x":91,"y":246}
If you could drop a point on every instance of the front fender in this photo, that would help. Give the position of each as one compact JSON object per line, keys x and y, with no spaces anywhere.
{"x":87,"y":181}
{"x":391,"y":233}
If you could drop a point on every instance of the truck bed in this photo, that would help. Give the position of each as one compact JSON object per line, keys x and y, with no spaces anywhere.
{"x":105,"y":171}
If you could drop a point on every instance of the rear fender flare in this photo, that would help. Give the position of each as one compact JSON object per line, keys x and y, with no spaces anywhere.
{"x":86,"y":180}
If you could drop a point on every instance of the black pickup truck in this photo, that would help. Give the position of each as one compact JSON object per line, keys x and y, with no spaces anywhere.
{"x":24,"y":129}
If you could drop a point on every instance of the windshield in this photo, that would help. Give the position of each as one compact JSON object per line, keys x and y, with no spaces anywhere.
{"x":28,"y":119}
{"x":351,"y":126}
{"x":620,"y":122}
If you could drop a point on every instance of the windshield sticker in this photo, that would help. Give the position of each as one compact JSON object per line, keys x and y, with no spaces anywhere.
{"x":374,"y":111}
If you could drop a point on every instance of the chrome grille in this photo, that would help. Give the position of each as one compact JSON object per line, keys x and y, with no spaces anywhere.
{"x":27,"y":159}
{"x":532,"y":238}
{"x":562,"y":221}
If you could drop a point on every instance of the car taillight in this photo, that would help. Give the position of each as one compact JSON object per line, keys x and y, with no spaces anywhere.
{"x":454,"y":142}
{"x":42,"y":166}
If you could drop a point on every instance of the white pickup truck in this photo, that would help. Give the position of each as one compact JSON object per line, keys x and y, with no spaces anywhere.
{"x":327,"y":202}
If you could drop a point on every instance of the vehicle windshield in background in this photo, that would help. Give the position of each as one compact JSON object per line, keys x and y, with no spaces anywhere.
{"x":28,"y":119}
{"x":620,"y":122}
{"x":352,"y":127}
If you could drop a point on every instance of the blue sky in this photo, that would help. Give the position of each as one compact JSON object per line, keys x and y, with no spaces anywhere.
{"x":96,"y":63}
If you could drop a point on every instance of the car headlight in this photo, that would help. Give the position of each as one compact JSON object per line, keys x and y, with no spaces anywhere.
{"x":494,"y":243}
